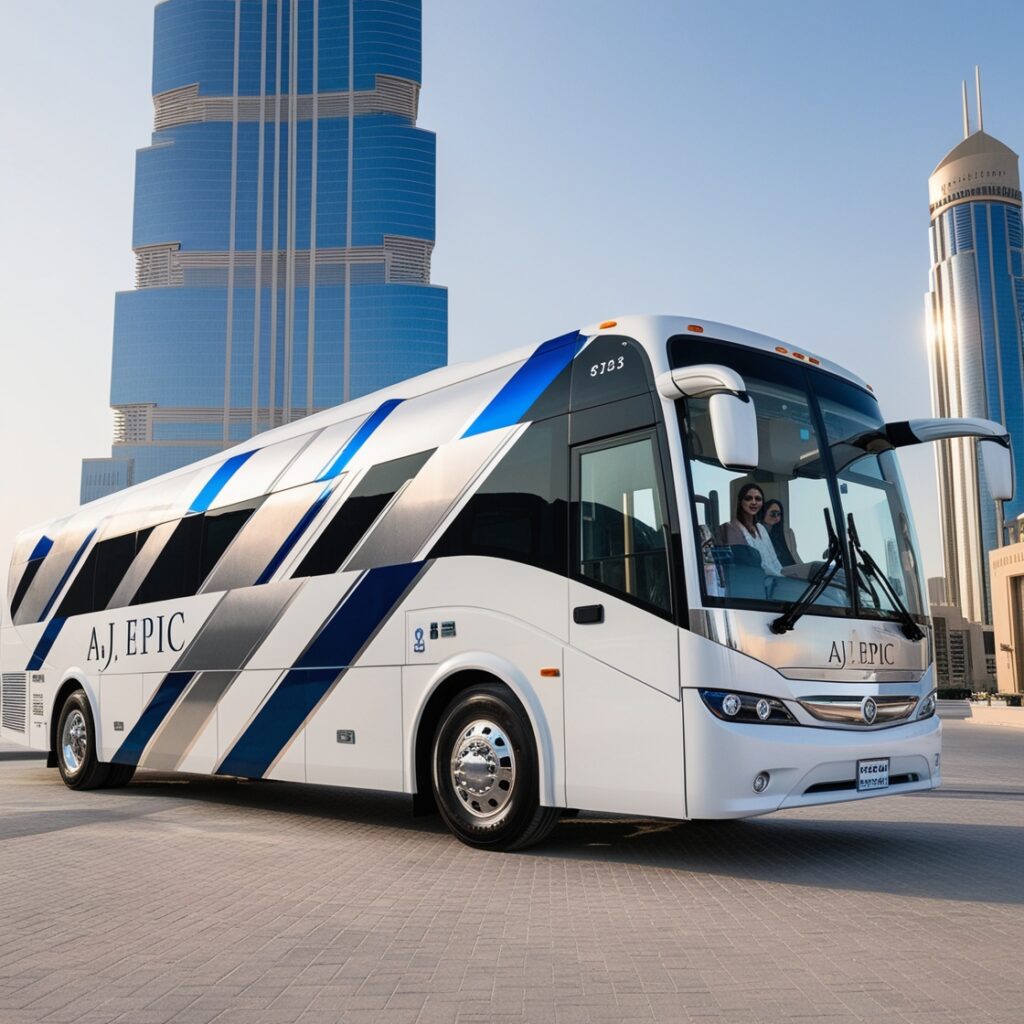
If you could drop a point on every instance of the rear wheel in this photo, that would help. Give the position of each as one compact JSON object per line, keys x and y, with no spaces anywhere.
{"x":485,"y":772}
{"x":76,"y":745}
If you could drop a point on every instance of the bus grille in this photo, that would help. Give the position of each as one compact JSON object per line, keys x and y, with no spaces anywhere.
{"x":13,"y":700}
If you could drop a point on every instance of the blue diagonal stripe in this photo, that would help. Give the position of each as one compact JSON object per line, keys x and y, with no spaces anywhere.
{"x":216,"y":482}
{"x":359,"y":438}
{"x":354,"y":622}
{"x":172,"y":687}
{"x":67,"y":574}
{"x":53,"y":628}
{"x":527,"y":384}
{"x":42,"y":548}
{"x":293,"y":538}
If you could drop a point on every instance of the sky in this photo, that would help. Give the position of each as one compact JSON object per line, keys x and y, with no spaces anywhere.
{"x":761,"y":164}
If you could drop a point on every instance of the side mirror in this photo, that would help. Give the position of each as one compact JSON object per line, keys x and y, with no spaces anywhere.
{"x":998,"y":466}
{"x":733,"y":417}
{"x":734,"y":423}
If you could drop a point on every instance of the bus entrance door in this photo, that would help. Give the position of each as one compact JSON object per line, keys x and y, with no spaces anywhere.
{"x":623,"y":732}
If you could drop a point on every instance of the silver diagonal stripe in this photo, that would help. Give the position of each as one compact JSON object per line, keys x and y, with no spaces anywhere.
{"x":237,"y":627}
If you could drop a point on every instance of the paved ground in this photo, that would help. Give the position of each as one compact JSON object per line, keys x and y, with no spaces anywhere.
{"x":202,"y":900}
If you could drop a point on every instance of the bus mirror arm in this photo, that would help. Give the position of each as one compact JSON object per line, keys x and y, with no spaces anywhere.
{"x":733,"y":418}
{"x":993,"y":445}
{"x":701,"y":381}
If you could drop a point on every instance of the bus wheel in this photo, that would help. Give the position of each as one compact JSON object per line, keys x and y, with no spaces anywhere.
{"x":485,"y":772}
{"x":76,"y":745}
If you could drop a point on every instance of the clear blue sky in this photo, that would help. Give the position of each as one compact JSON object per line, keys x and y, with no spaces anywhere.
{"x":761,"y":164}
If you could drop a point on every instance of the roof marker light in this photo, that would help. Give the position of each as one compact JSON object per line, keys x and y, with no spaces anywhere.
{"x":784,"y":351}
{"x":811,"y":359}
{"x":799,"y":355}
{"x":608,"y":323}
{"x":696,"y":328}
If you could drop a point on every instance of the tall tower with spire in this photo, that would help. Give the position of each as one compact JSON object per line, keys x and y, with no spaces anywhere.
{"x":975,"y":311}
{"x":284,"y":225}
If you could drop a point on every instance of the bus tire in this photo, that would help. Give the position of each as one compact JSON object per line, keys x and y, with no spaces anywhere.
{"x":485,"y":775}
{"x":118,"y":775}
{"x":76,"y":745}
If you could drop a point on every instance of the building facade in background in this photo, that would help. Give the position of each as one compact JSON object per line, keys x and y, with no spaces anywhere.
{"x":974,"y":310}
{"x":283,"y":227}
{"x":965,"y":656}
{"x":1006,"y":567}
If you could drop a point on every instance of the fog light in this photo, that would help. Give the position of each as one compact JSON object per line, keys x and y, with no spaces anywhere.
{"x":731,"y":704}
{"x":761,"y":780}
{"x":764,"y":710}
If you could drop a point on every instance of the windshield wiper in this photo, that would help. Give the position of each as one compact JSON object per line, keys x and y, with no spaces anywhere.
{"x":817,"y":583}
{"x":870,"y":569}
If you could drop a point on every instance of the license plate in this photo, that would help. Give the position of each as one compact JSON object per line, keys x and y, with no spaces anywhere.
{"x":873,"y":774}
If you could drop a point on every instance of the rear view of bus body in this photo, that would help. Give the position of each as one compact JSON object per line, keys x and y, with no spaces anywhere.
{"x":509,"y":588}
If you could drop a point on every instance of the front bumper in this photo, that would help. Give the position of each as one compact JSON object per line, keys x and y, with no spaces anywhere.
{"x":808,"y":765}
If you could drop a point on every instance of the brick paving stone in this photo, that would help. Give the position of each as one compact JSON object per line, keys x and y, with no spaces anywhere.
{"x":209,"y":901}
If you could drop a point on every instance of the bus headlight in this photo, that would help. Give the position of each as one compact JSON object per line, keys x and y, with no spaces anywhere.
{"x":927,"y":706}
{"x":746,"y":707}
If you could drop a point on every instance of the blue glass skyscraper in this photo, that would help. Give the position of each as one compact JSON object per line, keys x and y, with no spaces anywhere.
{"x":975,"y":308}
{"x":283,"y":227}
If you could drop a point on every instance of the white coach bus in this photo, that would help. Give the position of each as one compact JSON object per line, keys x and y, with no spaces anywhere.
{"x":659,"y":566}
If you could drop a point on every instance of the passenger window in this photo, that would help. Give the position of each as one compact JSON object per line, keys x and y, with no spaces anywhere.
{"x":623,"y":544}
{"x":219,"y":530}
{"x":176,"y":569}
{"x":191,"y":553}
{"x":100,"y":574}
{"x":358,"y":512}
{"x":519,"y":512}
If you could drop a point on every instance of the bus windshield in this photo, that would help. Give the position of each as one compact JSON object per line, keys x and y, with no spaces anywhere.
{"x":822,"y":459}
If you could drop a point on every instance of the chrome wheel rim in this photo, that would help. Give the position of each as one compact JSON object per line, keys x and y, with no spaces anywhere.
{"x":74,"y":741}
{"x":483,"y":769}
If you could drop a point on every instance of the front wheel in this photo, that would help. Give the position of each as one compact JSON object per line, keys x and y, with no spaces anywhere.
{"x":485,"y":772}
{"x":76,"y":745}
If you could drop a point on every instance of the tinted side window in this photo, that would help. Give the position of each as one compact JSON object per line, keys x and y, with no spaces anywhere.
{"x":357,"y":514}
{"x":219,"y":530}
{"x":113,"y":558}
{"x":520,"y":510}
{"x":102,"y":571}
{"x":175,"y":573}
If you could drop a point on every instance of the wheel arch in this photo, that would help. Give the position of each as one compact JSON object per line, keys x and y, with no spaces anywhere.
{"x":72,"y":680}
{"x":454,"y":677}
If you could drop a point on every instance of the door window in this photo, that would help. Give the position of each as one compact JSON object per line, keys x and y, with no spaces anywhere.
{"x":621,"y":522}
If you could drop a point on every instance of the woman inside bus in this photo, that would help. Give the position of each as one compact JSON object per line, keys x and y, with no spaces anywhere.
{"x":773,"y":516}
{"x":745,"y":528}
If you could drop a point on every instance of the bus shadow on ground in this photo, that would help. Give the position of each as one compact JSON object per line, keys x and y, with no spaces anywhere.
{"x":931,"y":859}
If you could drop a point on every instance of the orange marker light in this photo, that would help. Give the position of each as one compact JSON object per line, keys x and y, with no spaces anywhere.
{"x":784,"y":351}
{"x":799,"y":355}
{"x":696,"y":328}
{"x":811,"y":359}
{"x":550,"y":673}
{"x":609,"y":323}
